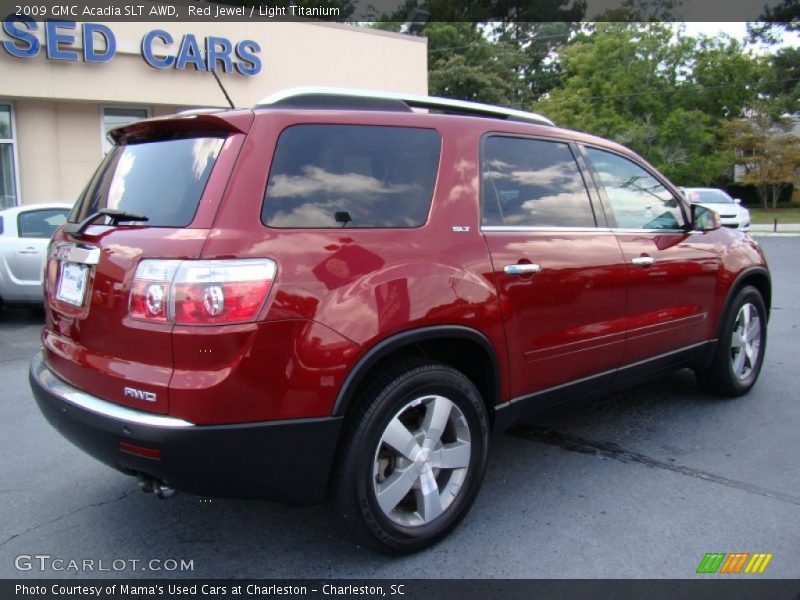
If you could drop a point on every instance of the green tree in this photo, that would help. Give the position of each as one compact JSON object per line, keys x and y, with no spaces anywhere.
{"x":536,"y":53}
{"x":464,"y":64}
{"x":664,"y":95}
{"x":767,"y":153}
{"x":783,"y":87}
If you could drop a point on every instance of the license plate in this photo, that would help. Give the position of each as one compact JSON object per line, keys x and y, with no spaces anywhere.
{"x":72,"y":283}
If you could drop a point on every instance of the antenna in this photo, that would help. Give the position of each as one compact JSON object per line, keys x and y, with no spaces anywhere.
{"x":222,"y":87}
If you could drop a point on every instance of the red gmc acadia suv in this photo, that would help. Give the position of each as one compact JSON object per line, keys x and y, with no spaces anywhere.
{"x":337,"y":295}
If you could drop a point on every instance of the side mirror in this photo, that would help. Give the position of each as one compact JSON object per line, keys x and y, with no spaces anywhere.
{"x":704,"y":219}
{"x":737,"y":200}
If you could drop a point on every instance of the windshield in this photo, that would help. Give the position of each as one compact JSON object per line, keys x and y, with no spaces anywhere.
{"x":708,"y":196}
{"x":162,"y":180}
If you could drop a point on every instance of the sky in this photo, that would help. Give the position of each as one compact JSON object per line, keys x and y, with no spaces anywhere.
{"x":737,"y":30}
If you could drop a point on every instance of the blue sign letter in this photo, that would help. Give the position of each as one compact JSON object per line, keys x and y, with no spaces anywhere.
{"x":89,"y":53}
{"x":248,"y":63}
{"x":218,"y":48}
{"x":13,"y":28}
{"x":189,"y":52}
{"x":147,"y":49}
{"x":53,"y":38}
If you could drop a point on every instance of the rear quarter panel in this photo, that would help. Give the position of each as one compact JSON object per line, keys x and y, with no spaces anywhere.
{"x":368,"y":284}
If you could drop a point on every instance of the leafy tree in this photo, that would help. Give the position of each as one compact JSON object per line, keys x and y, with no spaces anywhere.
{"x":784,"y":81}
{"x":464,"y":64}
{"x":768,"y":154}
{"x":663,"y":95}
{"x":536,"y":57}
{"x":641,"y":10}
{"x":727,"y":75}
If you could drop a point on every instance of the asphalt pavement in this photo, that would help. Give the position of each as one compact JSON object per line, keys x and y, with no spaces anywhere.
{"x":640,"y":484}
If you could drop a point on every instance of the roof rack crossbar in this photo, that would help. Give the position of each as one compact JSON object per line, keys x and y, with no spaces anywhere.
{"x":345,"y":98}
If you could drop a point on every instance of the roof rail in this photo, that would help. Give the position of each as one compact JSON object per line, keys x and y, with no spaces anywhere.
{"x":355,"y":99}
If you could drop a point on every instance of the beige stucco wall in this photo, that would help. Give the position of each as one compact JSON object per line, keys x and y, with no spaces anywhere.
{"x":58,"y":104}
{"x":59,"y":145}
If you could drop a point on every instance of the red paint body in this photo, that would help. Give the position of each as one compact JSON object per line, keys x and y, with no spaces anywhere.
{"x":340,"y":292}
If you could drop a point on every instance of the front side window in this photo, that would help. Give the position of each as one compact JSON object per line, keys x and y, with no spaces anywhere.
{"x":160,"y":179}
{"x":327,"y":176}
{"x":40,"y":223}
{"x":637,"y":199}
{"x":532,"y":183}
{"x":117,"y":117}
{"x":8,"y":174}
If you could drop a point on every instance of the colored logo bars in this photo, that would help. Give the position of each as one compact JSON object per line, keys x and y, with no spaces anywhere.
{"x":720,"y":562}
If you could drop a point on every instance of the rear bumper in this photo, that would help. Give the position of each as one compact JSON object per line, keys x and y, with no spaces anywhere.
{"x":286,"y":461}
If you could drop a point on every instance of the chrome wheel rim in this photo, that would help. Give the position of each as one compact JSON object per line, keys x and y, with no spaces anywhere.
{"x":745,"y":341}
{"x":421,"y":461}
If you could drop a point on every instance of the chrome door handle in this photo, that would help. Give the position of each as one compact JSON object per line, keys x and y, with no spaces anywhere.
{"x":522,"y":269}
{"x":643,"y":261}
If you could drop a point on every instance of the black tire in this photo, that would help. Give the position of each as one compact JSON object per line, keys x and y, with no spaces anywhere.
{"x":359,"y":470}
{"x":723,"y":377}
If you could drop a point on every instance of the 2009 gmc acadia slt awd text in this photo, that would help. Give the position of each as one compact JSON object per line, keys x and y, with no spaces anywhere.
{"x":336,"y":296}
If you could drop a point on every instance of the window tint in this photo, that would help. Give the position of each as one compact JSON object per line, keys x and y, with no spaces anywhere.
{"x":637,"y":199}
{"x":162,"y":180}
{"x":352,"y":176}
{"x":40,"y":223}
{"x":532,"y":183}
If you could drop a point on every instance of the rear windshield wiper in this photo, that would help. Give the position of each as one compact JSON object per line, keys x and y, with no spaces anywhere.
{"x":116,"y":216}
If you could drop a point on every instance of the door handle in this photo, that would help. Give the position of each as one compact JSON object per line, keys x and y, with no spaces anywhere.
{"x":522,"y":269}
{"x":643,"y":261}
{"x":29,"y":250}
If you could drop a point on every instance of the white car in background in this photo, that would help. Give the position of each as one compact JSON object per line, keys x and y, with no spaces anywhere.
{"x":25,"y":232}
{"x":731,"y":212}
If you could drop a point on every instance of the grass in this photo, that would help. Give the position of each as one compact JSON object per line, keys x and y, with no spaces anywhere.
{"x":759,"y":216}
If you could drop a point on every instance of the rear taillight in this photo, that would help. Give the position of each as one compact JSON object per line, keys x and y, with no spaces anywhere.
{"x":150,"y":290}
{"x":200,"y":292}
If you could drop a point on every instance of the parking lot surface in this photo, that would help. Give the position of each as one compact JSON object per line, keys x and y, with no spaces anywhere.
{"x":639,"y":484}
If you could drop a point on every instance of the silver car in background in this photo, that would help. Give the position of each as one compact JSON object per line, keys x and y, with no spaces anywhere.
{"x":25,"y":232}
{"x":731,"y":212}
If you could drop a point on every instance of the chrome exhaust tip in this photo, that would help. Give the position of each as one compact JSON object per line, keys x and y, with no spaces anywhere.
{"x":163,"y":491}
{"x":151,"y":485}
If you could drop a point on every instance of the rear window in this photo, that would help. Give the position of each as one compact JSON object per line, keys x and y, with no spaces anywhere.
{"x":162,"y":180}
{"x":325,"y":176}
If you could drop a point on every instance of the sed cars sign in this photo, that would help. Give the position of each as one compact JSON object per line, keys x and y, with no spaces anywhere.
{"x":158,"y":48}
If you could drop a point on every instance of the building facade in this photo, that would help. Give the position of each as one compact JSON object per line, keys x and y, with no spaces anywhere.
{"x":64,"y":85}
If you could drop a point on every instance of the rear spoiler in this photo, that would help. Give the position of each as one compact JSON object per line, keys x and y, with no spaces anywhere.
{"x":227,"y":121}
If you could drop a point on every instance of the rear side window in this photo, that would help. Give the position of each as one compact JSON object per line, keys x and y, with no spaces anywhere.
{"x":532,"y":183}
{"x":351,"y":176}
{"x":40,"y":223}
{"x":162,"y":180}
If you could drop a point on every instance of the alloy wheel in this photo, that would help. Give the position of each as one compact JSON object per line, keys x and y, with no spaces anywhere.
{"x":421,"y":461}
{"x":745,"y":341}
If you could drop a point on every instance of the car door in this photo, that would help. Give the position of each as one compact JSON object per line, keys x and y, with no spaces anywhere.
{"x":672,"y":273}
{"x":560,"y":278}
{"x":34,"y":230}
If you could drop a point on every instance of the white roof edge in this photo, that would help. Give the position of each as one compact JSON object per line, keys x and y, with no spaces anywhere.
{"x":412,"y":99}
